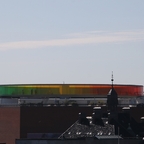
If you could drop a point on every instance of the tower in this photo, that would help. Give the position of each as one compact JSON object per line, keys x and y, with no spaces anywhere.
{"x":112,"y":98}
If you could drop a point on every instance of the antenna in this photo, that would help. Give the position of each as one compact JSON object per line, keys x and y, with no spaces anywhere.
{"x":112,"y":79}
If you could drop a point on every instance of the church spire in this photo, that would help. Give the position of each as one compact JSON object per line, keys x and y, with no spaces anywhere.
{"x":112,"y":79}
{"x":112,"y":97}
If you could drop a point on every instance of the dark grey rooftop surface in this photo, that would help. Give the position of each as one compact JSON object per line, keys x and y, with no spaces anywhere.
{"x":80,"y":131}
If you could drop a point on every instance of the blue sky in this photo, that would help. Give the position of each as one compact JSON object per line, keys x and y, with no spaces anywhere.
{"x":71,"y":41}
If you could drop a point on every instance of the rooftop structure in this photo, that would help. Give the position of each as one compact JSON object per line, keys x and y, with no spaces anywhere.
{"x":69,"y":90}
{"x":78,"y":130}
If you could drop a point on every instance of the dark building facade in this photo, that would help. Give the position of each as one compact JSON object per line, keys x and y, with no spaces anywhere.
{"x":18,"y":122}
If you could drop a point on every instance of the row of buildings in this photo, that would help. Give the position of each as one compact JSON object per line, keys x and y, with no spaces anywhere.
{"x":50,"y":109}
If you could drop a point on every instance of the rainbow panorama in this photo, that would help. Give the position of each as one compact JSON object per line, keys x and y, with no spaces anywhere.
{"x":67,"y":94}
{"x":73,"y":90}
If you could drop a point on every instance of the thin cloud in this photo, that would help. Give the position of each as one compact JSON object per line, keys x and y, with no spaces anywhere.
{"x":94,"y":37}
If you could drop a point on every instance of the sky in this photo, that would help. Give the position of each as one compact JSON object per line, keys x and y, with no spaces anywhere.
{"x":71,"y":41}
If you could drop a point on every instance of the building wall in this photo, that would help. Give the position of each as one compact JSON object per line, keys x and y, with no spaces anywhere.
{"x":137,"y":113}
{"x":49,"y":119}
{"x":17,"y":122}
{"x":58,"y":119}
{"x":86,"y":141}
{"x":9,"y":124}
